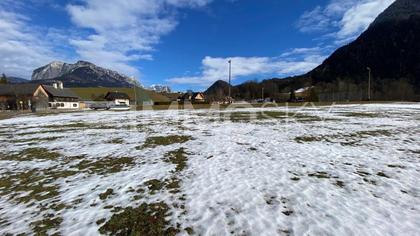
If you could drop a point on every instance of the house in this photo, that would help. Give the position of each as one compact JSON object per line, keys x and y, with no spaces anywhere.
{"x":37,"y":97}
{"x":192,"y":97}
{"x":60,"y":97}
{"x":198,"y":97}
{"x":117,"y":98}
{"x":301,"y":94}
{"x":17,"y":96}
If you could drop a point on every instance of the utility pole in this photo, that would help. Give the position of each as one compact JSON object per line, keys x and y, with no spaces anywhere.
{"x":262,"y":93}
{"x":230,"y":77}
{"x":135,"y":93}
{"x":368,"y":68}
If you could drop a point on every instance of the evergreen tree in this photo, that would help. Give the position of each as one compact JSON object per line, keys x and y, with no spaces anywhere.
{"x":292,"y":95}
{"x":3,"y":79}
{"x":313,"y":96}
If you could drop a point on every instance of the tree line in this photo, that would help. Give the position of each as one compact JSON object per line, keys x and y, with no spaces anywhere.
{"x":3,"y":79}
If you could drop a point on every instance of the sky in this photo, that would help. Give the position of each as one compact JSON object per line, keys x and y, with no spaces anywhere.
{"x":185,"y":44}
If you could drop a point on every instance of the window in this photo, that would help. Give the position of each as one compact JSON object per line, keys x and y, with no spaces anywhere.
{"x":62,"y":104}
{"x":74,"y":104}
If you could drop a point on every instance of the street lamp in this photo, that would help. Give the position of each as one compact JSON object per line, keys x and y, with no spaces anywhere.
{"x":368,"y":68}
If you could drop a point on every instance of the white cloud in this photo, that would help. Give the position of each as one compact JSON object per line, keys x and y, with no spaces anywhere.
{"x":21,"y":47}
{"x":342,"y":19}
{"x":357,"y":19}
{"x":125,"y":30}
{"x":296,"y":61}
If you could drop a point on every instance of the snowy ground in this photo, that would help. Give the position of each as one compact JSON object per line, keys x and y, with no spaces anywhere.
{"x":341,"y":170}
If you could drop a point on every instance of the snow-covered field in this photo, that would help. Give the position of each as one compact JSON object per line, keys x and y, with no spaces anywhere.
{"x":340,"y":170}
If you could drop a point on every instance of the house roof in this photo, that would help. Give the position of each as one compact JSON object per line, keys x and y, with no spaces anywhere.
{"x":141,"y":94}
{"x":195,"y":95}
{"x":116,"y":95}
{"x":18,"y":89}
{"x":188,"y":96}
{"x":57,"y":92}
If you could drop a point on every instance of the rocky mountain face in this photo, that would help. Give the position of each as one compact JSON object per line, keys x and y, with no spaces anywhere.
{"x":160,"y":88}
{"x":81,"y":74}
{"x":390,"y":47}
{"x":53,"y":70}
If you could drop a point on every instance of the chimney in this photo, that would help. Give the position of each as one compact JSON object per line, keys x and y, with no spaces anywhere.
{"x":60,"y":85}
{"x":55,"y":85}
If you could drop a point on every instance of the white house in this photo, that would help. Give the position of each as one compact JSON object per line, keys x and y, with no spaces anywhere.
{"x":60,"y":97}
{"x":117,"y":98}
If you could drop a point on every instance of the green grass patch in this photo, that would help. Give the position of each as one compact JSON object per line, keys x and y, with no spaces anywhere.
{"x":240,"y":116}
{"x":361,"y":114}
{"x":49,"y":222}
{"x":189,"y":230}
{"x":79,"y":126}
{"x":33,"y":185}
{"x":31,"y":154}
{"x":154,"y":185}
{"x":345,"y":139}
{"x":39,"y":153}
{"x":372,"y":133}
{"x":141,"y":128}
{"x":116,"y":141}
{"x":147,"y":219}
{"x":288,"y":212}
{"x":339,"y":184}
{"x":155,"y":141}
{"x":106,"y":194}
{"x":320,"y":175}
{"x":70,"y":125}
{"x":382,"y":174}
{"x":307,"y":139}
{"x":39,"y":132}
{"x":104,"y":166}
{"x":33,"y":140}
{"x":396,"y":166}
{"x":28,"y":186}
{"x":362,"y":173}
{"x":173,"y":185}
{"x":178,"y":158}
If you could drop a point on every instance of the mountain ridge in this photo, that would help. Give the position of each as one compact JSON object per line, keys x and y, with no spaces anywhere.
{"x":389,"y":47}
{"x":81,"y":74}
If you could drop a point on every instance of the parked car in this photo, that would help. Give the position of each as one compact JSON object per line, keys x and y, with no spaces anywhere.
{"x":99,"y":106}
{"x":120,"y":107}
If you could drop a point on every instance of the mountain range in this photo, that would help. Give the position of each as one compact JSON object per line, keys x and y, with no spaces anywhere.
{"x":160,"y":88}
{"x":390,"y":48}
{"x":16,"y":80}
{"x":81,"y":74}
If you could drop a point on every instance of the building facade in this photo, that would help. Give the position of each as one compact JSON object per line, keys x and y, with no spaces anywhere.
{"x":60,"y":97}
{"x":117,"y":98}
{"x":37,"y":97}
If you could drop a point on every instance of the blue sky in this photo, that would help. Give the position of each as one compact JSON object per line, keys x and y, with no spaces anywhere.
{"x":181,"y":43}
